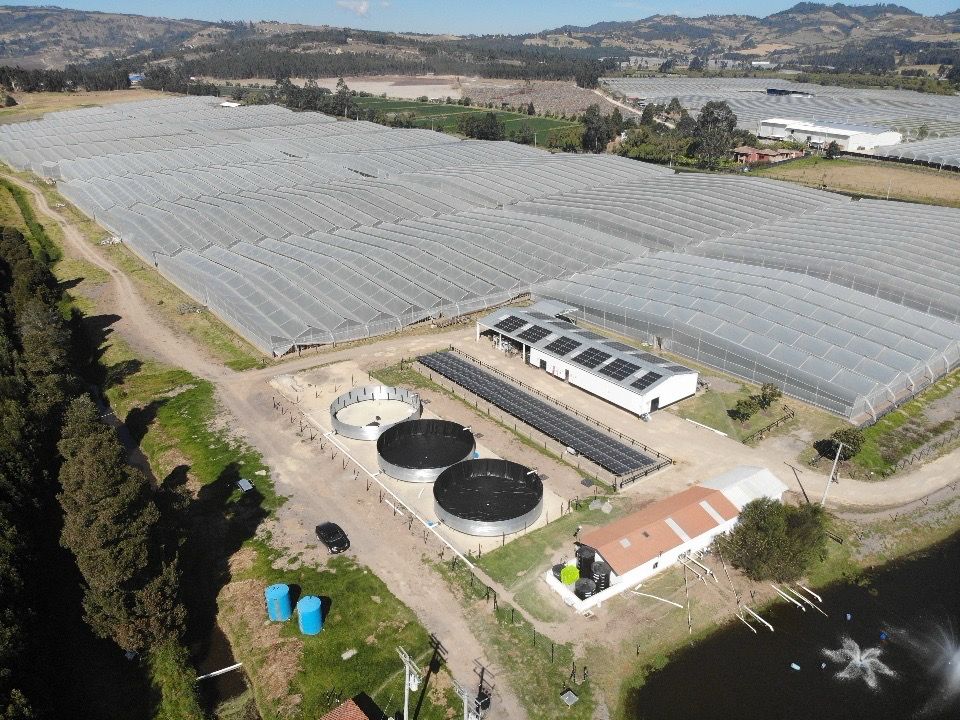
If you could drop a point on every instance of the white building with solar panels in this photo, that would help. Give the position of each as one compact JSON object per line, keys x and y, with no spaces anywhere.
{"x":628,"y":377}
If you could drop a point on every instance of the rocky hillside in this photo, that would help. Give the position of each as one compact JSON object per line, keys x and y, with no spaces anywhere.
{"x":51,"y":37}
{"x":800,"y":28}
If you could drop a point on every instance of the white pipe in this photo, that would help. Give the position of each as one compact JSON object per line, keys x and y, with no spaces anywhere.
{"x":758,"y":618}
{"x":740,"y":618}
{"x":657,"y":598}
{"x":705,"y":568}
{"x":804,"y":598}
{"x":787,"y":597}
{"x":682,"y":562}
{"x":220,"y":672}
{"x":819,"y":599}
{"x":793,"y":593}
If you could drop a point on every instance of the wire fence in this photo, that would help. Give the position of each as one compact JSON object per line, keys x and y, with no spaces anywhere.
{"x":931,"y":448}
{"x":788,"y":414}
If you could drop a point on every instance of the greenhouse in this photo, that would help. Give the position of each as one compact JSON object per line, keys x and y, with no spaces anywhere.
{"x":298,"y":229}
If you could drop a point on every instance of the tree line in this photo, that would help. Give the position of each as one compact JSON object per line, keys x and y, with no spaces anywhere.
{"x":102,"y":76}
{"x":77,"y":522}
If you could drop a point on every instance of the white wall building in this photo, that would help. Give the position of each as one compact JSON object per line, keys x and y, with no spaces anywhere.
{"x":851,"y":138}
{"x":628,"y":377}
{"x":646,"y":542}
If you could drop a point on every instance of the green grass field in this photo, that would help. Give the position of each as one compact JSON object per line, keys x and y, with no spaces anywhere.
{"x":444,"y":117}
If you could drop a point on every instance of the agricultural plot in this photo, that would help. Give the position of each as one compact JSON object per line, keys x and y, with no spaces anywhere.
{"x":445,"y":117}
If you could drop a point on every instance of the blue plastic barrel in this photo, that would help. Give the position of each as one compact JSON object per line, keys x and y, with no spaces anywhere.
{"x":309,"y":615}
{"x":278,"y":602}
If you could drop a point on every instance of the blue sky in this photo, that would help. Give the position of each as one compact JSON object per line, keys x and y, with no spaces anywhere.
{"x":457,"y":16}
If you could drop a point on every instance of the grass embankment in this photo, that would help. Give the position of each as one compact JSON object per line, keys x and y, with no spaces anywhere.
{"x":712,"y":408}
{"x":871,"y":178}
{"x":15,"y":203}
{"x":171,"y":303}
{"x":34,"y":105}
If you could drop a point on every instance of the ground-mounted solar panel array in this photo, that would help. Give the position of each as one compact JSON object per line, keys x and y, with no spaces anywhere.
{"x":901,"y":110}
{"x":298,"y":229}
{"x":606,"y":451}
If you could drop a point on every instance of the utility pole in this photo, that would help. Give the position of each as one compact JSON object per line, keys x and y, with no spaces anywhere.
{"x":471,"y":704}
{"x":833,"y":470}
{"x":411,"y":680}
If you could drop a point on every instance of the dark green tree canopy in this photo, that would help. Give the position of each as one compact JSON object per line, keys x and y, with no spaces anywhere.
{"x":773,"y":541}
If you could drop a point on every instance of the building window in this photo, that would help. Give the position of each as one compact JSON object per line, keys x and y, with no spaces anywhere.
{"x":655,"y":565}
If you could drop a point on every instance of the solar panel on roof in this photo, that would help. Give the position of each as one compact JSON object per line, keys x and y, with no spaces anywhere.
{"x":608,"y":452}
{"x":510,"y":323}
{"x":589,"y":335}
{"x":591,"y":357}
{"x":561,"y":324}
{"x":534,"y":333}
{"x":678,"y":368}
{"x":541,"y":316}
{"x":646,"y":381}
{"x":622,"y":347}
{"x":619,"y":369}
{"x":647,"y":357}
{"x":562,"y":346}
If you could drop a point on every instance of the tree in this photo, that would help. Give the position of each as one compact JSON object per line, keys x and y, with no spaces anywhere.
{"x":110,"y":525}
{"x":923,"y":131}
{"x":745,"y":408}
{"x":686,"y":125}
{"x":852,"y":439}
{"x":530,"y":109}
{"x":832,"y":150}
{"x":568,"y":138}
{"x":696,"y":65}
{"x":523,"y":135}
{"x":773,"y":541}
{"x":769,"y":394}
{"x":674,"y":108}
{"x":596,"y":131}
{"x":482,"y":126}
{"x":714,"y":132}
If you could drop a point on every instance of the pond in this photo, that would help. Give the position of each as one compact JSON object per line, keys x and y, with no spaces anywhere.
{"x":889,"y":648}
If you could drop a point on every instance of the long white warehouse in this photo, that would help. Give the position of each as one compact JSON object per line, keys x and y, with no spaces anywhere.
{"x":628,"y":377}
{"x":851,"y":138}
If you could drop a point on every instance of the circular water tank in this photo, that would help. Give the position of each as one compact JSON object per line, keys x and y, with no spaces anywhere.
{"x":488,"y":497}
{"x":585,"y":557}
{"x":584,"y":588}
{"x":419,"y":450}
{"x":601,"y":575}
{"x":279,"y":608}
{"x":310,"y":615}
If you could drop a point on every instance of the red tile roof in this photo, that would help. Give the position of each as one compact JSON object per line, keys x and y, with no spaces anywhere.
{"x":346,"y":711}
{"x":641,"y":536}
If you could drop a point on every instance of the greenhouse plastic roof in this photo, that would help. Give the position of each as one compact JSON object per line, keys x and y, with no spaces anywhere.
{"x":902,"y":110}
{"x":298,"y":229}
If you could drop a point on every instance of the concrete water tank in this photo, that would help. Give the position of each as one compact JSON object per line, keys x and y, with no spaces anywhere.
{"x":279,"y":608}
{"x":310,"y":615}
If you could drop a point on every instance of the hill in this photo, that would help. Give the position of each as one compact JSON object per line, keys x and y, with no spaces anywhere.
{"x":804,"y":27}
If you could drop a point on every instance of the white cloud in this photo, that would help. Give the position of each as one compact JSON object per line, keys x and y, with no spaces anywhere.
{"x":359,"y":7}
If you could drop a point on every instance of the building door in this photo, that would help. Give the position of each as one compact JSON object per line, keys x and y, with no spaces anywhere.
{"x":566,"y":375}
{"x":655,"y":404}
{"x":543,"y":364}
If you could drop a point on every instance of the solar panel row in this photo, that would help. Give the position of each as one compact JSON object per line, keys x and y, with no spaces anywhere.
{"x":562,"y":346}
{"x":591,"y":357}
{"x":619,"y":369}
{"x":646,"y":381}
{"x":607,"y":452}
{"x":534,"y":333}
{"x":510,"y":324}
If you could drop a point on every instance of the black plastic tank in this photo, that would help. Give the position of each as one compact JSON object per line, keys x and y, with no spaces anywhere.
{"x":601,"y":575}
{"x":585,"y":558}
{"x":584,"y":588}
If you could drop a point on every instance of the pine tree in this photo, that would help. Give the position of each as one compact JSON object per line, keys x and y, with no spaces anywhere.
{"x":110,"y":525}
